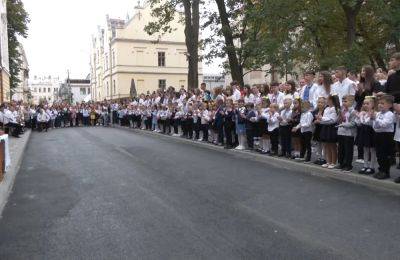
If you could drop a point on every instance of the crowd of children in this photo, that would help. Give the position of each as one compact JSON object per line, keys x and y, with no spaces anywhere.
{"x":324,"y":117}
{"x":334,"y":115}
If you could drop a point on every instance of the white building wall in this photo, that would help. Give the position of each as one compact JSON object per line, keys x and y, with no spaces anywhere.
{"x":80,"y":92}
{"x":44,"y":88}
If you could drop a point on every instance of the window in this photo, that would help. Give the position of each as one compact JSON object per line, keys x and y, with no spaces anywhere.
{"x":44,"y":90}
{"x":48,"y":90}
{"x":106,"y":62}
{"x":162,"y":83}
{"x":114,"y":87}
{"x":40,"y":90}
{"x":140,"y":57}
{"x":55,"y":89}
{"x":35,"y":90}
{"x":108,"y":89}
{"x":83,"y":91}
{"x":113,"y":59}
{"x":161,"y":59}
{"x":88,"y":90}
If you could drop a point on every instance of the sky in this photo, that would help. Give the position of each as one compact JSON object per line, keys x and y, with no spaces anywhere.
{"x":60,"y":34}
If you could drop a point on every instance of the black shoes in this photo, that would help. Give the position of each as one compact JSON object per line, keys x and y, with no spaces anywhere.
{"x":363,"y":170}
{"x":381,"y":176}
{"x":347,"y":169}
{"x":369,"y":171}
{"x":319,"y":161}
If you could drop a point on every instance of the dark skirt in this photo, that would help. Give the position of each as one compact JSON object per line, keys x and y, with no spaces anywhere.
{"x":296,"y":134}
{"x":366,"y":136}
{"x":262,"y":127}
{"x":328,"y":134}
{"x":317,"y":133}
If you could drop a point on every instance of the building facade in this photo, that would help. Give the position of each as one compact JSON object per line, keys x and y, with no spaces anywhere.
{"x":75,"y":91}
{"x":44,"y":89}
{"x":124,"y":56}
{"x":214,"y":80}
{"x":262,"y":76}
{"x":80,"y":89}
{"x":22,"y":91}
{"x":5,"y":94}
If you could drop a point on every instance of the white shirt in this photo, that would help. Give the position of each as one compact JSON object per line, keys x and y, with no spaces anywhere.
{"x":9,"y":117}
{"x":273,"y":121}
{"x":384,"y":122}
{"x":348,"y":126}
{"x":236,"y":95}
{"x":306,"y":122}
{"x":205,"y":117}
{"x":397,"y":133}
{"x":346,"y":87}
{"x":43,"y":117}
{"x":249,"y":99}
{"x":364,"y":119}
{"x":311,"y":92}
{"x":330,"y":116}
{"x":318,"y":92}
{"x":278,"y":99}
{"x":286,"y":115}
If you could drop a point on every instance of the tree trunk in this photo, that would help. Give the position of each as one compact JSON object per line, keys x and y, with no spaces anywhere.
{"x":192,"y":21}
{"x":351,"y":12}
{"x":380,"y":62}
{"x":236,"y":71}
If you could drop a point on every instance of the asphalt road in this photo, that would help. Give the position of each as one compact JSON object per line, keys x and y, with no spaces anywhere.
{"x":103,"y":193}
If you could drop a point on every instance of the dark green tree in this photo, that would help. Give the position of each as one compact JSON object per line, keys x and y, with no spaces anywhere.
{"x":18,"y":20}
{"x":165,"y":12}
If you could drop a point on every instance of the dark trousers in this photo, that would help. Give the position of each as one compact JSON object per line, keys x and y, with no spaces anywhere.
{"x":229,"y":128}
{"x":147,"y":122}
{"x":42,"y":126}
{"x":16,"y":129}
{"x":305,"y":141}
{"x":285,"y":133}
{"x":204,"y":129}
{"x":274,"y":136}
{"x":189,"y":128}
{"x":166,"y":128}
{"x":345,"y":150}
{"x":250,"y":137}
{"x":114,"y":117}
{"x":197,"y":128}
{"x":176,"y":123}
{"x":220,"y":131}
{"x":384,"y":151}
{"x":85,"y":120}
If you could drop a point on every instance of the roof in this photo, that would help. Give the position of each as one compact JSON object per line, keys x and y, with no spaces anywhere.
{"x":78,"y":81}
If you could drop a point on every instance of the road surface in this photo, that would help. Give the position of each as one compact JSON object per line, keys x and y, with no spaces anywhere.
{"x":104,"y":193}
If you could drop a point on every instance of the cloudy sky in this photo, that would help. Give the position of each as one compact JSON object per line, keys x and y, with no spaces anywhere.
{"x":60,"y":33}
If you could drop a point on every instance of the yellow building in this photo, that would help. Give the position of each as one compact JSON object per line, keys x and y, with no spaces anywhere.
{"x":124,"y":53}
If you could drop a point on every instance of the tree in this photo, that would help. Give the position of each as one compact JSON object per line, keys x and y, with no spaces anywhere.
{"x":351,"y":9}
{"x":18,"y":20}
{"x":230,"y":49}
{"x":166,"y":11}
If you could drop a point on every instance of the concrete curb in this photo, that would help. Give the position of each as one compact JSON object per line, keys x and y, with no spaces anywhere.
{"x":310,"y":169}
{"x":7,"y":185}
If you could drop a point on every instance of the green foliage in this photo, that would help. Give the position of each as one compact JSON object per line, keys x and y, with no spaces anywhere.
{"x":165,"y":12}
{"x":310,"y":34}
{"x":18,"y":20}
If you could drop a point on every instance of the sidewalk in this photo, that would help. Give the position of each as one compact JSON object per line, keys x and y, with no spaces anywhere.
{"x":17,"y":148}
{"x":311,"y":169}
